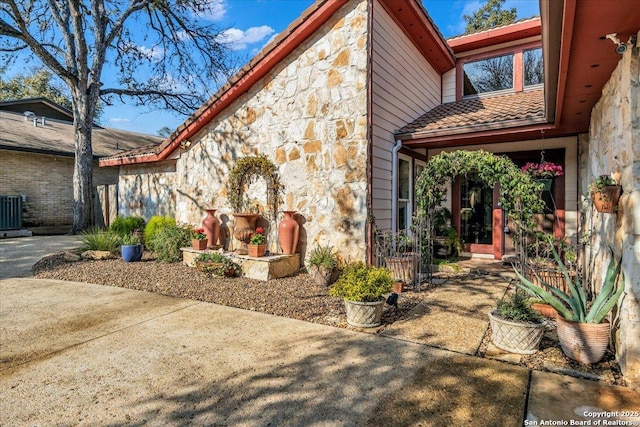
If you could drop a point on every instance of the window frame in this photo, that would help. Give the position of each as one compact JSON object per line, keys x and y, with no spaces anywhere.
{"x":518,"y":70}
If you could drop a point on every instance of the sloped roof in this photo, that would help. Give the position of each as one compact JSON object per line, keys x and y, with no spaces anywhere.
{"x":40,"y":106}
{"x":57,"y":137}
{"x":411,"y":12}
{"x":472,"y":115}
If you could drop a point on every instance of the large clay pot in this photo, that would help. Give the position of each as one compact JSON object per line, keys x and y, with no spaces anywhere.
{"x":585,"y":342}
{"x":211,"y":226}
{"x":288,"y":231}
{"x":244,"y":228}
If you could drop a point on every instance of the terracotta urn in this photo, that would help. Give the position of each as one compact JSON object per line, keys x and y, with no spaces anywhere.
{"x":288,"y":232}
{"x":211,"y":226}
{"x":606,"y":201}
{"x":244,"y":228}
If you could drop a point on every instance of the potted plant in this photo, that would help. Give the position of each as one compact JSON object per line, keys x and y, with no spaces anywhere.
{"x":217,"y":264}
{"x":515,"y":326}
{"x":583,"y":331}
{"x":199,"y":239}
{"x":257,"y":246}
{"x":131,"y":248}
{"x":605,"y":194}
{"x":543,"y":173}
{"x":362,"y":286}
{"x":323,"y":264}
{"x":397,"y":251}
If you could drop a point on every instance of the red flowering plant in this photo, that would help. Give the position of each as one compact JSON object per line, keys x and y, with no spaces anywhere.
{"x":258,"y":238}
{"x":543,"y":170}
{"x":198,"y":234}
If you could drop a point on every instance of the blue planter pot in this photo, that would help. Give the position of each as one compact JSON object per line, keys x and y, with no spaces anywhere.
{"x":131,"y":253}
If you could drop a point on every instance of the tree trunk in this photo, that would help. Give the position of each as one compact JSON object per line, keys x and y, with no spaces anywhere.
{"x":83,"y":166}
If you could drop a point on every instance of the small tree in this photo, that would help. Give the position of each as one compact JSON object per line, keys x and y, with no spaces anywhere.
{"x":37,"y":84}
{"x":490,"y":15}
{"x":160,"y":51}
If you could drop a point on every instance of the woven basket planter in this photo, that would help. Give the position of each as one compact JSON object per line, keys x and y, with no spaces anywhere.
{"x":515,"y":337}
{"x":364,"y":314}
{"x":583,"y":342}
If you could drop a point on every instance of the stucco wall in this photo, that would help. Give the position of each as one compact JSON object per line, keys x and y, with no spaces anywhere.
{"x":46,"y":180}
{"x":308,"y":115}
{"x":613,"y":148}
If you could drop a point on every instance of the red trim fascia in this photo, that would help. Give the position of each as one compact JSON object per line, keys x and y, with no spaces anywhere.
{"x":441,"y":57}
{"x":568,"y":19}
{"x":499,"y":35}
{"x":259,"y":70}
{"x":478,"y":137}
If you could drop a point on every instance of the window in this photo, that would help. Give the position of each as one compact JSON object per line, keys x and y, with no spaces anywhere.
{"x":533,"y":68}
{"x":404,"y":186}
{"x":488,"y":75}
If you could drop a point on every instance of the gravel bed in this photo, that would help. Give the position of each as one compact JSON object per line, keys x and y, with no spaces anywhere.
{"x":296,"y":297}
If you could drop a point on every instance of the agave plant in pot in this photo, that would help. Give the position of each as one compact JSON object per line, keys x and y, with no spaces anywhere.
{"x":362,"y":286}
{"x":583,"y":331}
{"x":515,"y":326}
{"x":323,"y":265}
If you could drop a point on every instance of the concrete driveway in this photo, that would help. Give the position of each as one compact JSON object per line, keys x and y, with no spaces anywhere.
{"x":17,"y":255}
{"x":80,"y":354}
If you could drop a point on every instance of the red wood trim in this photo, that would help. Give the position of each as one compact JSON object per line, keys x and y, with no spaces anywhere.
{"x":518,"y":70}
{"x":259,"y":70}
{"x":493,"y":135}
{"x":424,"y":35}
{"x":455,"y":205}
{"x":497,"y":225}
{"x":408,"y":152}
{"x":568,"y":18}
{"x":499,"y":35}
{"x":502,"y":51}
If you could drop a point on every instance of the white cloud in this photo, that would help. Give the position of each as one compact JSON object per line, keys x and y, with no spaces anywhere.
{"x":151,"y":52}
{"x":213,"y":11}
{"x":238,"y":39}
{"x":119,"y":120}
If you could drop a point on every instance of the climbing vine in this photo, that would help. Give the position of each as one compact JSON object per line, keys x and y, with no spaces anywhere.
{"x":245,"y":171}
{"x":519,"y":194}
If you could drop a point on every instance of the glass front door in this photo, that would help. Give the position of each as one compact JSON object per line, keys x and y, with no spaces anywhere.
{"x":476,"y":211}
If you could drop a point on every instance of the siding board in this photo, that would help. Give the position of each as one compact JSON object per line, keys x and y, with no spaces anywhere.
{"x":404,"y":87}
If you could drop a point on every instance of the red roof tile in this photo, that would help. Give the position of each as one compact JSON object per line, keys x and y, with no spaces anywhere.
{"x":469,"y":115}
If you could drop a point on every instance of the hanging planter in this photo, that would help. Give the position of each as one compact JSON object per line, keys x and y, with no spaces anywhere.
{"x":545,"y":182}
{"x":605,"y":194}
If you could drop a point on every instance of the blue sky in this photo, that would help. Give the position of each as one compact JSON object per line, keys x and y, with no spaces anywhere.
{"x":252,"y":23}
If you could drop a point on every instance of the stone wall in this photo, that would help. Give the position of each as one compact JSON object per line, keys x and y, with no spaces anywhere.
{"x":309,"y":116}
{"x":148,"y":190}
{"x":614,"y":149}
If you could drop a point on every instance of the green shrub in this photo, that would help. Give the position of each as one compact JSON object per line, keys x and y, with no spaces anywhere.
{"x":224,"y":266}
{"x":125,"y":225}
{"x":518,"y":308}
{"x":167,"y":241}
{"x":154,"y":225}
{"x":95,"y":239}
{"x":362,"y":283}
